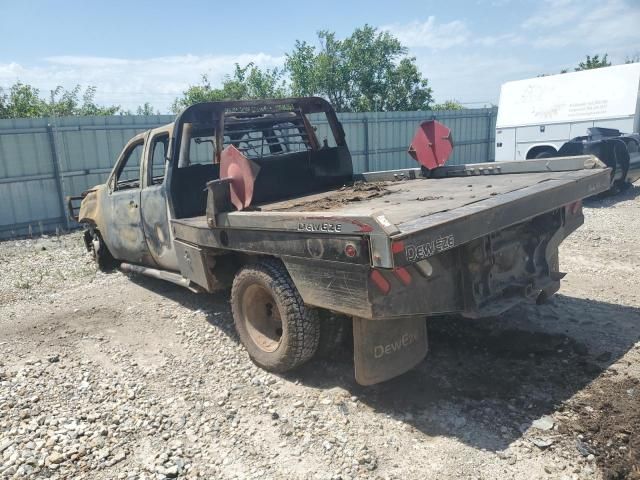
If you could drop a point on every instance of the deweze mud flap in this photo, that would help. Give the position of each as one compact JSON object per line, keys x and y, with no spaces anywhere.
{"x":384,"y":349}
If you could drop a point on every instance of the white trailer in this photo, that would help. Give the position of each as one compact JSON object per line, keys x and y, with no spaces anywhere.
{"x":538,"y":115}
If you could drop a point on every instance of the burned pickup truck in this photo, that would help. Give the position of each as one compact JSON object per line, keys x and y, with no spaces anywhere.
{"x":261,"y":196}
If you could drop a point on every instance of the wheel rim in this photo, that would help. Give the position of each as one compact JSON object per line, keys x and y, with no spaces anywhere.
{"x":261,"y":318}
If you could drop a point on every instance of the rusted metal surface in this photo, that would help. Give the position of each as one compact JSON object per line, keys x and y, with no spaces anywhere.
{"x":133,"y":216}
{"x":153,"y":198}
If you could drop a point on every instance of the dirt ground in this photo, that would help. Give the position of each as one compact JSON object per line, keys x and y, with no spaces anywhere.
{"x":108,"y":376}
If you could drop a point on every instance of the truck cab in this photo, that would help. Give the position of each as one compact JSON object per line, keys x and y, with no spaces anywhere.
{"x":161,"y":174}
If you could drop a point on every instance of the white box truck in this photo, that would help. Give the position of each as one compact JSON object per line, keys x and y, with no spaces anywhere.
{"x":538,"y":115}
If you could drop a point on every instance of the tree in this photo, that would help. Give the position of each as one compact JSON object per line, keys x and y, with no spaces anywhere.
{"x":246,"y":83}
{"x":635,"y":58}
{"x":367,"y":71}
{"x":24,"y":101}
{"x":589,"y":64}
{"x":302,"y":70}
{"x":593,"y":62}
{"x":146,"y":109}
{"x":447,"y":105}
{"x":67,"y":103}
{"x":257,"y":83}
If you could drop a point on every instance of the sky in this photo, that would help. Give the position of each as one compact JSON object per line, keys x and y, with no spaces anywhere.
{"x":142,"y":51}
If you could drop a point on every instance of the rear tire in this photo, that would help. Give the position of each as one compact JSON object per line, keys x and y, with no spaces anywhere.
{"x":279,"y":332}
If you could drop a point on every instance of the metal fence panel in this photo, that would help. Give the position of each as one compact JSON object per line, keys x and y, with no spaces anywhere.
{"x":44,"y":160}
{"x":391,"y":135}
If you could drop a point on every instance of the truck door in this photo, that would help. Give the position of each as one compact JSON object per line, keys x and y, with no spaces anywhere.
{"x":153,"y":202}
{"x":124,"y":235}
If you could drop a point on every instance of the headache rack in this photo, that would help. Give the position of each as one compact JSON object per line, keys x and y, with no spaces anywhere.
{"x":263,"y":128}
{"x":268,"y":133}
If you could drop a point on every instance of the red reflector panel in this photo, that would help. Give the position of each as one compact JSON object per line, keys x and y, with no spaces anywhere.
{"x":403,"y":275}
{"x":379,"y":281}
{"x":350,"y":250}
{"x":577,"y":207}
{"x":574,"y":208}
{"x":397,"y":247}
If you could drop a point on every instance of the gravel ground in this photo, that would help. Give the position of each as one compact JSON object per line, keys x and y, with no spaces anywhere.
{"x":107,"y":376}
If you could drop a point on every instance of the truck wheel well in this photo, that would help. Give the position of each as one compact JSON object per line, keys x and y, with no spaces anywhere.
{"x":228,"y":266}
{"x":99,"y":250}
{"x":541,"y":151}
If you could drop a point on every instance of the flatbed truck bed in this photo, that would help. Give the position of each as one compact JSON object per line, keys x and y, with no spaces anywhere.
{"x":408,"y":209}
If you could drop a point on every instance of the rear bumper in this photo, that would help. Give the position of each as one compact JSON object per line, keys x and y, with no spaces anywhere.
{"x":481,"y":278}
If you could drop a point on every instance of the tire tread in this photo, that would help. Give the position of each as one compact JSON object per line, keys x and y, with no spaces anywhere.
{"x":302,"y":326}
